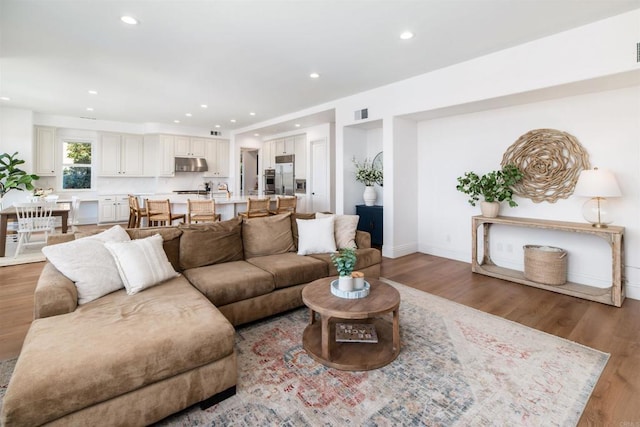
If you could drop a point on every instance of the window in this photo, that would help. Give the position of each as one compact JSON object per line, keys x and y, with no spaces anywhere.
{"x":76,"y":165}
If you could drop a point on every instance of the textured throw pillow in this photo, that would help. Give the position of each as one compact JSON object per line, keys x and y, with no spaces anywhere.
{"x":206,"y":244}
{"x":345,"y":227}
{"x":89,"y":264}
{"x":142,"y":263}
{"x":269,"y":235}
{"x":316,"y":236}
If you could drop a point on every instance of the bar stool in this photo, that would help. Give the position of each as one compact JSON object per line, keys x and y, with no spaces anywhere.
{"x":285,"y":204}
{"x":201,"y":211}
{"x":136,"y":213}
{"x":159,"y":212}
{"x":256,"y":208}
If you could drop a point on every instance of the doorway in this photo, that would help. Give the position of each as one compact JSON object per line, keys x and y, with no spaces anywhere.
{"x":249,"y":171}
{"x":319,"y":177}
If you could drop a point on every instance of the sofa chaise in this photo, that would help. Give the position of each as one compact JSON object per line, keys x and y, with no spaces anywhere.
{"x":130,"y":358}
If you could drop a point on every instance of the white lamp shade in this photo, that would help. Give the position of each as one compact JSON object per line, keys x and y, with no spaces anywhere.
{"x":597,"y":183}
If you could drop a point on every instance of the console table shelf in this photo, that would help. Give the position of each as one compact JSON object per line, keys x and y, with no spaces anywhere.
{"x":613,"y":295}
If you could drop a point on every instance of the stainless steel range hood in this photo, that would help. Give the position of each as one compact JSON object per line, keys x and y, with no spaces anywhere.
{"x":191,"y":164}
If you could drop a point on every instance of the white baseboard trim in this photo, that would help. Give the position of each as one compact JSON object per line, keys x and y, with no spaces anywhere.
{"x":398,"y":251}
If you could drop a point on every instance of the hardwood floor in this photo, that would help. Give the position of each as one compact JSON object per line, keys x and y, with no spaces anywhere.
{"x":614,"y":401}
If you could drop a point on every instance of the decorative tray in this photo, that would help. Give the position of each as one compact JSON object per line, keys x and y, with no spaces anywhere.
{"x":360,"y":293}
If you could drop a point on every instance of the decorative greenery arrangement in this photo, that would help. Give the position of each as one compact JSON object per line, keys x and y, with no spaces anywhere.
{"x":12,"y":177}
{"x":345,"y":261}
{"x":494,"y":186}
{"x":367,"y":173}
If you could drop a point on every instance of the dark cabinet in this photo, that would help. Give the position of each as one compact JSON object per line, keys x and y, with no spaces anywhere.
{"x":371,"y":222}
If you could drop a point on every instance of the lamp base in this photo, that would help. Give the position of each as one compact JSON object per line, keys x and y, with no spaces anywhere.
{"x":596,"y":211}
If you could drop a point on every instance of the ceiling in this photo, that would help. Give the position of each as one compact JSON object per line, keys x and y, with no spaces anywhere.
{"x":241,"y":57}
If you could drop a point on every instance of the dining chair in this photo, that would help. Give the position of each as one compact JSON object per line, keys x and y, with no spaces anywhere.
{"x":201,"y":211}
{"x":159,"y":212}
{"x":74,"y":213}
{"x":33,"y":218}
{"x":256,"y":207}
{"x":136,"y":213}
{"x":285,"y":204}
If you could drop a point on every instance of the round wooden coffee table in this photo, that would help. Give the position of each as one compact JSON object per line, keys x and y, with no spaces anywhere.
{"x":319,"y":340}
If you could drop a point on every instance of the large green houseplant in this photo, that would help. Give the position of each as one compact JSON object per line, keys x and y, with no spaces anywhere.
{"x":493,"y":187}
{"x":12,"y":177}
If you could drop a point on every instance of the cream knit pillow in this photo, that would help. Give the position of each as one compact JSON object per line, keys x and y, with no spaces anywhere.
{"x":345,"y":227}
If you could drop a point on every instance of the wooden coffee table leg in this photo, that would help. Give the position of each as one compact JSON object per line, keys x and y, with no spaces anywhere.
{"x":312,"y":316}
{"x":396,"y":330}
{"x":325,"y":336}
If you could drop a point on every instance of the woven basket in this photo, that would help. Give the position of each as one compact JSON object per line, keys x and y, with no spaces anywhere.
{"x":545,"y":264}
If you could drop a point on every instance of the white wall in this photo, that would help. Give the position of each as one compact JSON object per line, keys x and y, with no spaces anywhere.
{"x":16,"y":134}
{"x":607,"y":125}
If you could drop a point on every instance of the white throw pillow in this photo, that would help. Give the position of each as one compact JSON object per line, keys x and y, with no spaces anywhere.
{"x":315,"y":236}
{"x":142,"y":263}
{"x":88,"y":263}
{"x":345,"y":227}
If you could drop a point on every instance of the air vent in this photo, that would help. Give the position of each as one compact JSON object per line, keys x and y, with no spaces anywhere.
{"x":216,"y":133}
{"x":637,"y":52}
{"x":361,"y":114}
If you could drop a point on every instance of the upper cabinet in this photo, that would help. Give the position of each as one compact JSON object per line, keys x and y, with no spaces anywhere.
{"x":285,"y":146}
{"x":268,"y":155}
{"x":217,"y":154}
{"x":159,"y":158}
{"x":190,"y":147}
{"x":121,"y":155}
{"x":45,"y":149}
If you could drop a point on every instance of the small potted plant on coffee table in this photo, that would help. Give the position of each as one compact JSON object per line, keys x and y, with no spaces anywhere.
{"x":494,"y":187}
{"x":345,"y":262}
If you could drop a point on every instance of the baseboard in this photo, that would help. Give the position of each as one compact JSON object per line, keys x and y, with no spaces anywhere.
{"x":398,"y":251}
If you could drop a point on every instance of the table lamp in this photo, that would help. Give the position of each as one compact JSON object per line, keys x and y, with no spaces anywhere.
{"x":597,"y":184}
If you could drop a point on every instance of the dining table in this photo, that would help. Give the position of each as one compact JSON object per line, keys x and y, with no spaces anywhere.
{"x":61,"y":210}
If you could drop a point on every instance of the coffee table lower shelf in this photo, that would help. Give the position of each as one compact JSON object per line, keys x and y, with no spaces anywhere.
{"x":352,"y":356}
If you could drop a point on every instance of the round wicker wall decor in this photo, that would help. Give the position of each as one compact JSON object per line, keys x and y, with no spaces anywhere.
{"x":551,"y":161}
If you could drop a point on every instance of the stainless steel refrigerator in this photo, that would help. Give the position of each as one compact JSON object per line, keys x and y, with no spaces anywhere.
{"x":285,"y":178}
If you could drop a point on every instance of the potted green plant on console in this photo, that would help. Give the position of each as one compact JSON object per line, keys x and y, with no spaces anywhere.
{"x":12,"y":177}
{"x":494,"y":187}
{"x":345,"y":262}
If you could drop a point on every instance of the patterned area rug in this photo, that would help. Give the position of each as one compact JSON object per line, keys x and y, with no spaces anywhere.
{"x":458,"y":366}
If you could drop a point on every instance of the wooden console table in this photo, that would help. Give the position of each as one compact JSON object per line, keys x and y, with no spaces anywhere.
{"x":613,"y":295}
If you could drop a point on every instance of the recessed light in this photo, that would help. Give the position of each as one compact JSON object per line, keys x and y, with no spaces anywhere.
{"x":92,"y":92}
{"x":406,"y":35}
{"x":89,"y":108}
{"x":252,"y":113}
{"x":232,"y":120}
{"x":129,"y":20}
{"x":217,"y":126}
{"x":204,"y":106}
{"x":297,"y":125}
{"x":176,"y":121}
{"x":188,"y":114}
{"x":314,"y":75}
{"x":5,"y":98}
{"x":256,"y":134}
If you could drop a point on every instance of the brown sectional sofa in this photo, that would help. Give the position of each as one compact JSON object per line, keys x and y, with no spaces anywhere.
{"x":135,"y":359}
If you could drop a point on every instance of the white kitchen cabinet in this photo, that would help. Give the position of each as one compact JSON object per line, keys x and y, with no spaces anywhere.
{"x":113,"y":208}
{"x":121,"y":155}
{"x":159,"y":158}
{"x":217,"y":154}
{"x":45,"y":149}
{"x":300,"y":150}
{"x":268,"y":155}
{"x":186,"y":146}
{"x":284,"y":146}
